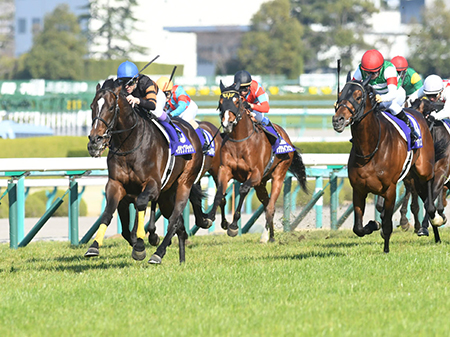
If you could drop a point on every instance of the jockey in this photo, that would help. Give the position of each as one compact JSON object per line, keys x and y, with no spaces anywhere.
{"x":436,"y":90}
{"x":383,"y":78}
{"x":143,"y":93}
{"x":410,"y":79}
{"x":256,"y":100}
{"x":180,"y":104}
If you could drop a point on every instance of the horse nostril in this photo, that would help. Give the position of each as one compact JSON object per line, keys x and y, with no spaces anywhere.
{"x":99,"y":138}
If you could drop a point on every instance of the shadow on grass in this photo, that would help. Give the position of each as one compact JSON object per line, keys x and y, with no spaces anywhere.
{"x":306,"y":255}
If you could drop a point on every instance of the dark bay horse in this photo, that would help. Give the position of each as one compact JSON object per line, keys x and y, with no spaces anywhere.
{"x":247,"y":157}
{"x":378,"y":156}
{"x":441,"y":138}
{"x":141,"y":169}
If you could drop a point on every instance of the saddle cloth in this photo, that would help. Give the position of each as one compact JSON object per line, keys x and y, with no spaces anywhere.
{"x":207,"y":142}
{"x":181,"y":148}
{"x":404,"y":130}
{"x":279,"y":145}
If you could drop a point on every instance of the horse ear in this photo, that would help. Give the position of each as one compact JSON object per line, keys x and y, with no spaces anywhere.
{"x":222,"y":87}
{"x":349,"y":76}
{"x":98,"y":87}
{"x":366,"y":81}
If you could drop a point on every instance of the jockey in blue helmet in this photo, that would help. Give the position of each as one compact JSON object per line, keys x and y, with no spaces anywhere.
{"x":144,"y":93}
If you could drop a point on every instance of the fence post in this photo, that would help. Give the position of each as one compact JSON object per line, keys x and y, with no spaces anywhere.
{"x":334,"y":200}
{"x":73,"y":211}
{"x":287,"y":204}
{"x":21,"y":208}
{"x":13,"y":226}
{"x":319,"y":204}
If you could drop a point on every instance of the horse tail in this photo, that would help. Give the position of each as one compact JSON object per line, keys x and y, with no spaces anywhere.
{"x":297,"y":168}
{"x":440,"y":148}
{"x":196,"y":197}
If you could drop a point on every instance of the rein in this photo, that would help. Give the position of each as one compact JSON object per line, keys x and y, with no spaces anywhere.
{"x":109,"y":132}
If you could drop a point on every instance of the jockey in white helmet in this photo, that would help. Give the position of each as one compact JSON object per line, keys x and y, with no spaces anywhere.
{"x":436,"y":90}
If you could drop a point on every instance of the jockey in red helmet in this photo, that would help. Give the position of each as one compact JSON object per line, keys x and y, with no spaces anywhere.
{"x":383,"y":78}
{"x":409,"y":79}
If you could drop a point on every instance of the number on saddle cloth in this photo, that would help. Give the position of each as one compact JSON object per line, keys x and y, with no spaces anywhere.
{"x":179,"y":144}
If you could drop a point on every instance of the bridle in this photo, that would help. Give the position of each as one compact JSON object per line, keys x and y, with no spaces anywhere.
{"x":228,"y":105}
{"x":107,"y":136}
{"x":358,"y":113}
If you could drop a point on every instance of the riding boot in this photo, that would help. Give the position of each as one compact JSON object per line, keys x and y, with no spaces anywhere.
{"x":200,"y":135}
{"x":274,"y":137}
{"x":401,"y":115}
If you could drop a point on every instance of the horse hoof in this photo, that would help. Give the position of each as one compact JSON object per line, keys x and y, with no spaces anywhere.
{"x":92,"y":251}
{"x":207,"y":223}
{"x":423,"y":232}
{"x":232,"y":232}
{"x":155,"y":259}
{"x":405,"y":226}
{"x":444,"y":218}
{"x":224,"y":225}
{"x":138,"y":252}
{"x":438,"y":221}
{"x":153,"y":239}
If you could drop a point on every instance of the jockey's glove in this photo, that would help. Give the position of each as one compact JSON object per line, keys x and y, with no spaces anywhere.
{"x":378,"y":98}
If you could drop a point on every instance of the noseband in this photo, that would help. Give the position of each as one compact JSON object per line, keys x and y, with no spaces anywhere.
{"x":358,"y":108}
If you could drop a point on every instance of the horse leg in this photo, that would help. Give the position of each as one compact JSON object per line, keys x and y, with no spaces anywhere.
{"x":195,"y":197}
{"x":415,"y":211}
{"x":150,"y":192}
{"x":404,"y":222}
{"x":440,"y":205}
{"x":224,"y":223}
{"x":182,"y":237}
{"x":114,"y":192}
{"x":263,"y":196}
{"x":153,"y":238}
{"x":181,"y":199}
{"x":433,"y":189}
{"x":380,"y":204}
{"x":223,"y":178}
{"x":233,"y":228}
{"x":359,"y":203}
{"x":124,"y":215}
{"x":389,"y":204}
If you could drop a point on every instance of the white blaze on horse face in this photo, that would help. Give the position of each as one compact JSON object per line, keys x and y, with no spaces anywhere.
{"x":226,"y":118}
{"x":100,"y":103}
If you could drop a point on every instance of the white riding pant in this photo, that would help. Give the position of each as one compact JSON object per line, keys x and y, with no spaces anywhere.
{"x":160,"y":103}
{"x":395,"y":106}
{"x":190,"y":113}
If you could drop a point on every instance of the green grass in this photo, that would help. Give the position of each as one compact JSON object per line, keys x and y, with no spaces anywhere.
{"x":308,"y":283}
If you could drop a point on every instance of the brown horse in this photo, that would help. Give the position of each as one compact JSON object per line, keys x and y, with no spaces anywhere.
{"x":378,"y":156}
{"x":441,"y":138}
{"x":247,"y":156}
{"x":140,"y":170}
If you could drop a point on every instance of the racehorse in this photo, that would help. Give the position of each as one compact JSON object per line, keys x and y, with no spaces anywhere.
{"x":378,"y":155}
{"x":141,"y":169}
{"x":247,"y":156}
{"x":441,"y":139}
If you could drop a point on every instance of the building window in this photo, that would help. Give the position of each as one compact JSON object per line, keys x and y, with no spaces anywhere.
{"x":35,"y":25}
{"x":21,"y":26}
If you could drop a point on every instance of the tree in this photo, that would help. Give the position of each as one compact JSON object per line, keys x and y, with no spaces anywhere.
{"x":6,"y":37}
{"x":334,"y":29}
{"x":58,"y":50}
{"x":110,"y":23}
{"x":273,"y":44}
{"x":430,"y":42}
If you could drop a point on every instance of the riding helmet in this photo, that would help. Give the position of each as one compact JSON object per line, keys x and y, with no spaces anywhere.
{"x":400,"y":63}
{"x":243,"y":77}
{"x":433,"y":85}
{"x":164,"y":83}
{"x":372,"y":61}
{"x":127,"y":69}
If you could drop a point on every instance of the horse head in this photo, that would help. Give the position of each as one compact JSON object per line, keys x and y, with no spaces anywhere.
{"x":352,"y":103}
{"x":230,"y":106}
{"x":105,"y":112}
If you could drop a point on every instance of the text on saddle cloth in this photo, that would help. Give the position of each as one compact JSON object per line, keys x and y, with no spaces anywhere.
{"x":180,"y":148}
{"x":404,"y":130}
{"x":280,"y":146}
